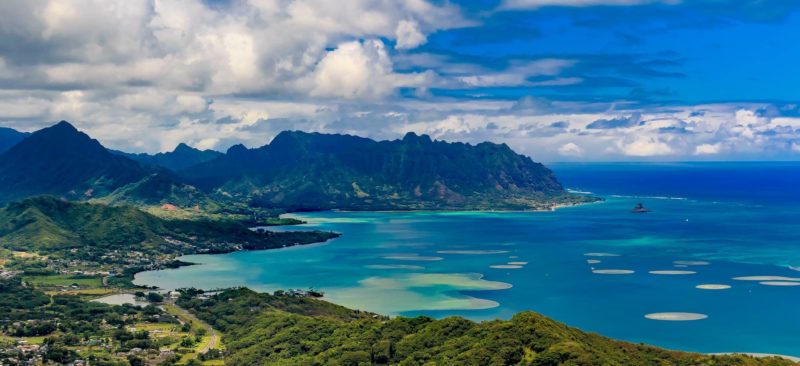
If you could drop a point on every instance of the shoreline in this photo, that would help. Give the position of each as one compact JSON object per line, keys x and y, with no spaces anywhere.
{"x":757,"y":355}
{"x":456,"y":210}
{"x":466,"y":293}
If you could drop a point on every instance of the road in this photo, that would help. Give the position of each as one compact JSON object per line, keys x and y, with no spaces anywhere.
{"x":187,"y":316}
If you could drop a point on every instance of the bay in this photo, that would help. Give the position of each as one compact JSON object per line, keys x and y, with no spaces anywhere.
{"x":598,"y":267}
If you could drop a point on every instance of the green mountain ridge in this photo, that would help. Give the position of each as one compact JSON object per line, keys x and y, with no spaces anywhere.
{"x":160,"y":188}
{"x":303,"y":171}
{"x":263,"y":329}
{"x":61,"y":160}
{"x":51,"y":226}
{"x":296,"y":171}
{"x":184,"y":156}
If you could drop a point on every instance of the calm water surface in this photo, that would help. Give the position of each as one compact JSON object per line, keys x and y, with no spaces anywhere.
{"x":711,"y":223}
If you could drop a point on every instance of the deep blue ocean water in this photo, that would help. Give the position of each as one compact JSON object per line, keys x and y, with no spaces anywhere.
{"x":741,"y":219}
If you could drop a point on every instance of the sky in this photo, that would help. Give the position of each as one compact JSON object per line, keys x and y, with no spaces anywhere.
{"x":558,"y":80}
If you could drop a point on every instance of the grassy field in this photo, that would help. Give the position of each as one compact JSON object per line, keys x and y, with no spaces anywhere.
{"x":30,"y":340}
{"x":87,"y":293}
{"x":27,"y":255}
{"x":64,"y":281}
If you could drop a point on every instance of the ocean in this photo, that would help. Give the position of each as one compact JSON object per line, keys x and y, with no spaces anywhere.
{"x":733,"y":229}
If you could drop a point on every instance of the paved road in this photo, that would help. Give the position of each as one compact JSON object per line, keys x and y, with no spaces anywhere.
{"x":214,"y":342}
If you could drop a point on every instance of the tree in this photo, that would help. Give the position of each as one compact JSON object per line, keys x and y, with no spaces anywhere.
{"x":155,"y":297}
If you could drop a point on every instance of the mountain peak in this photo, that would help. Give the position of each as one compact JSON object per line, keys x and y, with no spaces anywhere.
{"x":413,"y":137}
{"x":59,"y":160}
{"x":235,"y":149}
{"x":64,"y":126}
{"x":182,"y":147}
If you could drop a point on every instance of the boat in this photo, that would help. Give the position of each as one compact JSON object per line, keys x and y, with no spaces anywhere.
{"x":639,"y":208}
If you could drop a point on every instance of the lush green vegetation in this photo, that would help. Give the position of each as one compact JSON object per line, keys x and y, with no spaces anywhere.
{"x":301,"y":171}
{"x":91,"y":231}
{"x":62,"y":245}
{"x":296,"y":171}
{"x":262,"y":329}
{"x":61,"y":160}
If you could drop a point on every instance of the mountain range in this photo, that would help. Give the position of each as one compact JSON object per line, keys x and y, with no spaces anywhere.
{"x":296,"y":171}
{"x":184,"y":156}
{"x":10,"y":137}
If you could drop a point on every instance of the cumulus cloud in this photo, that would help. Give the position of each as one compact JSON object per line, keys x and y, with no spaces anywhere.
{"x":153,"y":64}
{"x":645,"y":147}
{"x":408,"y":35}
{"x":358,"y":70}
{"x":570,"y":149}
{"x":708,"y":149}
{"x":145,"y":75}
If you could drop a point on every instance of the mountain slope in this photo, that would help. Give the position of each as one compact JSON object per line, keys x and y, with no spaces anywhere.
{"x":64,"y":161}
{"x":159,"y":189}
{"x":182,"y":157}
{"x":262,"y":329}
{"x":52,"y":226}
{"x":10,"y":137}
{"x":300,"y":170}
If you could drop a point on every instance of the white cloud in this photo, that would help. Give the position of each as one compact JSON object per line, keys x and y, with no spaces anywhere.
{"x":708,"y":149}
{"x":361,"y":70}
{"x":250,"y":46}
{"x":149,"y":74}
{"x":644,"y":147}
{"x":408,"y":35}
{"x":519,"y":73}
{"x":207,"y":143}
{"x":570,"y":149}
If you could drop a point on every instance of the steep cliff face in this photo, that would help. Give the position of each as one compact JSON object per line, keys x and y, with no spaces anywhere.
{"x":311,"y":171}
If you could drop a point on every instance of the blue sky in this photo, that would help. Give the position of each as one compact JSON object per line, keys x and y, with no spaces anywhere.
{"x":558,"y":80}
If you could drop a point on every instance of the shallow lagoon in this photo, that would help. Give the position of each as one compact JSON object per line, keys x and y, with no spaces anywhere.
{"x":488,"y":265}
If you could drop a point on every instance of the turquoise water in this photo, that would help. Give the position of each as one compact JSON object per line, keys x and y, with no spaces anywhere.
{"x":712,"y":222}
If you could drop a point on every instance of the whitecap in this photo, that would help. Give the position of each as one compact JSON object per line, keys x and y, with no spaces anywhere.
{"x":672,"y":272}
{"x":713,"y":287}
{"x":677,"y":316}
{"x":779,"y":283}
{"x":593,"y":261}
{"x":517,"y":263}
{"x":505,"y":266}
{"x":613,"y":271}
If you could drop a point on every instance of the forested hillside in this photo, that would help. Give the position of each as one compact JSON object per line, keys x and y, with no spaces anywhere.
{"x":263,"y":329}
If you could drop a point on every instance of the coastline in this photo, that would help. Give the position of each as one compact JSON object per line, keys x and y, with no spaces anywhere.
{"x":550,"y":208}
{"x":758,"y":355}
{"x":794,"y":359}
